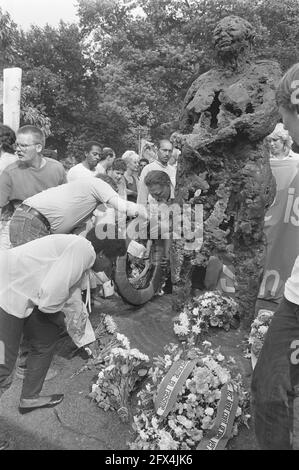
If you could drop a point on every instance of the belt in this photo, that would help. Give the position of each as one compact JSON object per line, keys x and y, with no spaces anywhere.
{"x":36,"y":214}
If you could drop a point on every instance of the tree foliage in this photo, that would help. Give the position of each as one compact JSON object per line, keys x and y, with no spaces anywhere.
{"x":125,"y":69}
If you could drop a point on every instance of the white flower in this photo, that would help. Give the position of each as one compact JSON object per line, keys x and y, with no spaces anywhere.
{"x":209,"y":411}
{"x":155,"y":422}
{"x":183,"y":318}
{"x":207,"y":343}
{"x":124,"y":340}
{"x":180,"y":329}
{"x":238,"y":412}
{"x":110,"y":324}
{"x":143,"y":435}
{"x":192,"y":397}
{"x":139,"y":355}
{"x":166,"y":441}
{"x":263,"y":329}
{"x":224,"y":376}
{"x":195,"y":311}
{"x":187,"y":423}
{"x":118,"y":352}
{"x":196,"y":329}
{"x":218,"y":310}
{"x":209,"y":295}
{"x":219,"y":357}
{"x":205,"y":303}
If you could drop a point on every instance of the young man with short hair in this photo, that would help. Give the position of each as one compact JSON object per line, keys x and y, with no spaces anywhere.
{"x":117,"y":174}
{"x":92,"y":153}
{"x":33,"y":172}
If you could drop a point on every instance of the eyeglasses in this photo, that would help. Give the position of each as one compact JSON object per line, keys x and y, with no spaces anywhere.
{"x":25,"y":146}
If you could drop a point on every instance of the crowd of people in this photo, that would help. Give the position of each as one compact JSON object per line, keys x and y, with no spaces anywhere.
{"x":44,"y":265}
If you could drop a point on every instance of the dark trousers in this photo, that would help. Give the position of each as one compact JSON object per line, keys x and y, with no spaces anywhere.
{"x":42,"y":332}
{"x":25,"y":227}
{"x":275,"y":382}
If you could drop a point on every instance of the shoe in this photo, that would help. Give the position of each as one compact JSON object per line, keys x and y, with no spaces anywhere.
{"x":30,"y":404}
{"x":21,"y":371}
{"x":4,"y":445}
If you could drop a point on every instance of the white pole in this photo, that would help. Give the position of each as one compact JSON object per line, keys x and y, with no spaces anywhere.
{"x":12,"y":81}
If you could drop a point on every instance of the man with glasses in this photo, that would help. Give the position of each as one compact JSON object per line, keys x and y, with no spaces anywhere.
{"x":32,"y":172}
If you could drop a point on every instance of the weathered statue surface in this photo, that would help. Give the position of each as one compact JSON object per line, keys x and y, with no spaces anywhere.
{"x":227,"y":113}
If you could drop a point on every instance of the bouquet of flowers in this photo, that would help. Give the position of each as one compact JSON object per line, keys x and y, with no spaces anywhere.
{"x":211,"y":309}
{"x":122,"y":370}
{"x":194,"y":412}
{"x":106,"y":339}
{"x":259,"y":328}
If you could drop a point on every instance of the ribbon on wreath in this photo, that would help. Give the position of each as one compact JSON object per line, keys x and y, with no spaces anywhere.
{"x":219,"y":435}
{"x":172,"y":384}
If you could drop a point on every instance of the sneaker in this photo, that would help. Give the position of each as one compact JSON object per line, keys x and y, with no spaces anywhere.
{"x":21,"y":371}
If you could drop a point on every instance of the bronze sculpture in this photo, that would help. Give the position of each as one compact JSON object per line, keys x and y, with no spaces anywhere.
{"x":224,"y":165}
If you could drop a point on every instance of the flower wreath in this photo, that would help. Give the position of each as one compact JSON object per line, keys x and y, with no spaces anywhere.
{"x":193,"y":414}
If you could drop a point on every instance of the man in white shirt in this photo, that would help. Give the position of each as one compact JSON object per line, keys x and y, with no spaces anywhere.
{"x":275,"y":381}
{"x":37,"y":280}
{"x":161,"y":164}
{"x":65,"y":207}
{"x":92,"y":152}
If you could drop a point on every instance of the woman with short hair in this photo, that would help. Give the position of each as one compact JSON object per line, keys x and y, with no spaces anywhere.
{"x":131,"y":159}
{"x":280,"y":143}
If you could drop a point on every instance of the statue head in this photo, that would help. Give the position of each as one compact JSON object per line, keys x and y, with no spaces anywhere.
{"x":232,"y":38}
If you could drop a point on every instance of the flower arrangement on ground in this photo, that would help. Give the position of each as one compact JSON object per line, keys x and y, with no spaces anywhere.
{"x":211,"y":309}
{"x":194,"y":411}
{"x":122,"y":370}
{"x":259,"y":328}
{"x":106,"y":339}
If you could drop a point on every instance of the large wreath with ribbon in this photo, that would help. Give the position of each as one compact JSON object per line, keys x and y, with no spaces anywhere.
{"x":191,"y":401}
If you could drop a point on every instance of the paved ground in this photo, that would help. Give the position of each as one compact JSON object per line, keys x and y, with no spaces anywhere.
{"x":77,"y":423}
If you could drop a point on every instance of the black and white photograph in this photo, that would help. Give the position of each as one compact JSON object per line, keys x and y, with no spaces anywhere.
{"x":149,"y":207}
